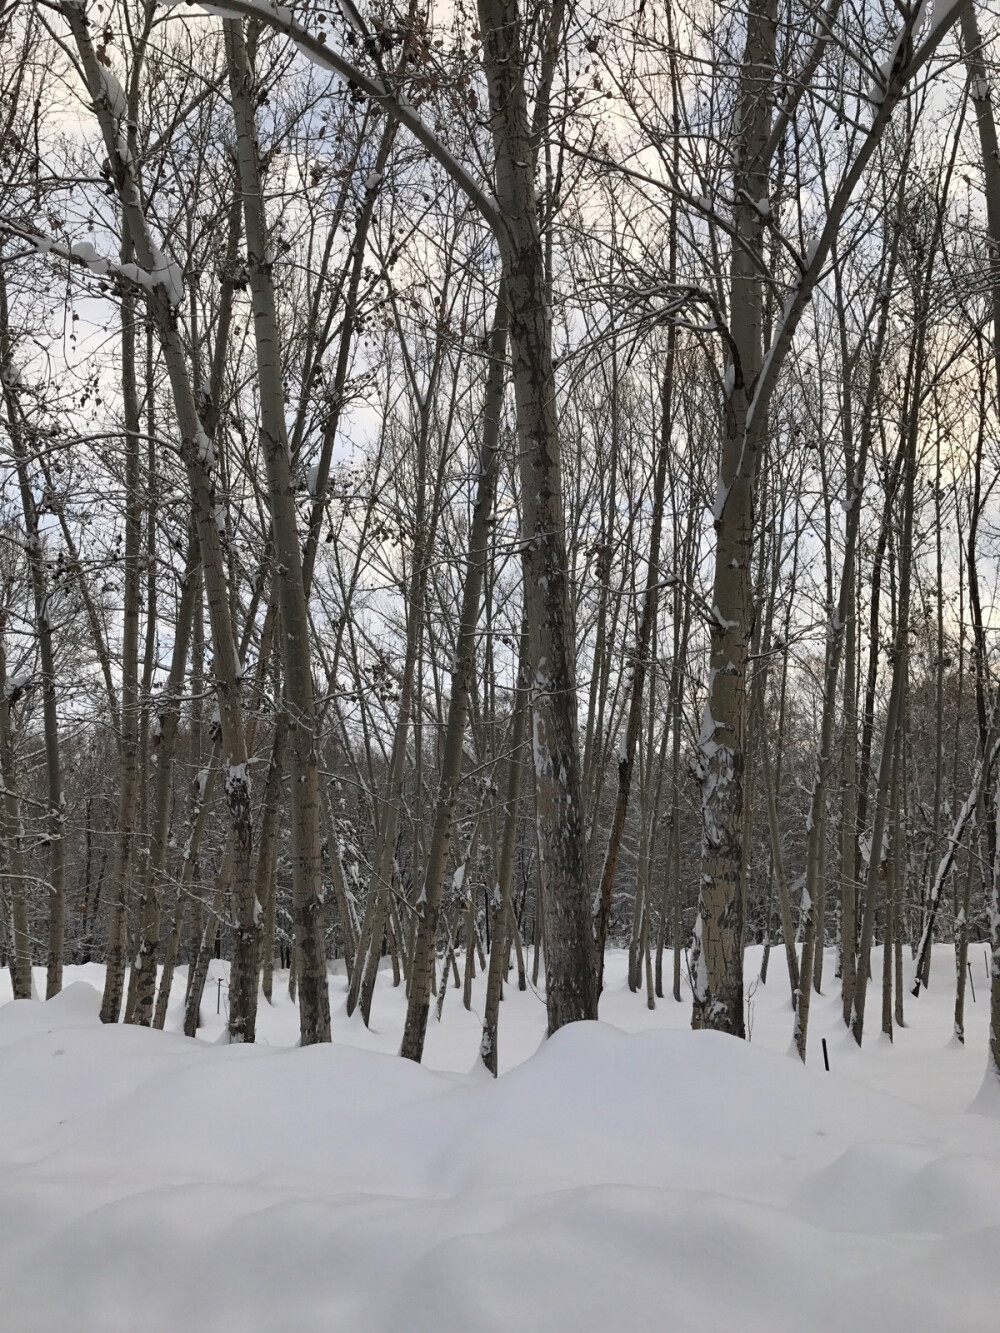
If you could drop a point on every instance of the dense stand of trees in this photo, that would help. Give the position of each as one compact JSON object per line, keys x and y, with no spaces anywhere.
{"x":482,"y":486}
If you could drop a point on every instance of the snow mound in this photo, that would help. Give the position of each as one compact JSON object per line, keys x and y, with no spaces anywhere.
{"x":610,"y":1180}
{"x":78,"y":1004}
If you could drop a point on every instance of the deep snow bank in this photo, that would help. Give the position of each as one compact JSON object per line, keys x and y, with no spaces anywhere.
{"x":147,"y":1181}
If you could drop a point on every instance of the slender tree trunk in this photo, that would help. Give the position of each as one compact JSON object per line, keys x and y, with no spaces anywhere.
{"x":778,"y":860}
{"x":55,"y":821}
{"x":892,"y":893}
{"x":650,"y":608}
{"x":571,"y":990}
{"x":196,"y":819}
{"x":825,"y":760}
{"x":429,"y":902}
{"x":142,"y":981}
{"x":962,"y":950}
{"x":373,"y":927}
{"x":298,"y":702}
{"x":500,"y":905}
{"x":717,"y":952}
{"x":163,"y":294}
{"x":125,"y":854}
{"x":198,"y":974}
{"x":893,"y":714}
{"x":10,"y":826}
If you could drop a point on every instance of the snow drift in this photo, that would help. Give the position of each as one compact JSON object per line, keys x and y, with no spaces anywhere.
{"x":609,"y":1181}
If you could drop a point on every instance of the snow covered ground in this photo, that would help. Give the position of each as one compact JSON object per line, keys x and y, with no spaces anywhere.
{"x":622,"y":1173}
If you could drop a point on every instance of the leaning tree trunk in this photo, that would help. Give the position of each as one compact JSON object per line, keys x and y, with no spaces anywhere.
{"x":977,"y":794}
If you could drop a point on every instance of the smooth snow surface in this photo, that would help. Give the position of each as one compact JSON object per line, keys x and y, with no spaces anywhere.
{"x":627,"y":1174}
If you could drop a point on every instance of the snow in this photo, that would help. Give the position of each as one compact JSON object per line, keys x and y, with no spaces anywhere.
{"x":622,"y":1174}
{"x":723,"y":624}
{"x":167,"y":274}
{"x":83,"y":252}
{"x":87,"y":254}
{"x":114,"y":94}
{"x":980,"y":90}
{"x":206,"y":450}
{"x":164,"y":273}
{"x":721,"y":495}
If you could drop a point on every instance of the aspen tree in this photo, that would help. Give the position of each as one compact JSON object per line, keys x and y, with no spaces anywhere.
{"x":142,"y":980}
{"x":500,"y":902}
{"x":571,"y":990}
{"x":16,"y":427}
{"x":314,"y":1000}
{"x":429,"y":902}
{"x":981,"y":92}
{"x":20,"y":942}
{"x":125,"y":853}
{"x":163,"y":292}
{"x":650,"y":608}
{"x":717,"y":954}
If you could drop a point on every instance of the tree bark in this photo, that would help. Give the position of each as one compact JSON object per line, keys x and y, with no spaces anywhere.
{"x":650,"y":609}
{"x":298,"y":701}
{"x":429,"y":902}
{"x":571,"y":991}
{"x":717,"y":952}
{"x":10,"y":823}
{"x":125,"y":852}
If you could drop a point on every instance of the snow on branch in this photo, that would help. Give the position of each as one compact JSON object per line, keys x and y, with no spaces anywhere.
{"x":164,"y":273}
{"x":314,"y":48}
